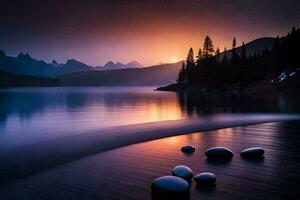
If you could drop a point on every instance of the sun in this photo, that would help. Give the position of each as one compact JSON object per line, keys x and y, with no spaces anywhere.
{"x":173,"y":59}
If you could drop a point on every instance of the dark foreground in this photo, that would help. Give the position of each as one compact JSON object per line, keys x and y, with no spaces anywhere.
{"x":127,"y":172}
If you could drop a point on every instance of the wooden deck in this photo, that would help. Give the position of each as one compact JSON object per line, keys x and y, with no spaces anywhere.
{"x":127,"y":172}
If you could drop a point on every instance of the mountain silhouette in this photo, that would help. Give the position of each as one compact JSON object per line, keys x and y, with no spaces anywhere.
{"x":134,"y":64}
{"x":147,"y":76}
{"x":254,"y":47}
{"x":113,"y":66}
{"x":24,"y":64}
{"x":72,"y":66}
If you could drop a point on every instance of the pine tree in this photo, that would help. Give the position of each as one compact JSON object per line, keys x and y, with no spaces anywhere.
{"x":234,"y":43}
{"x":190,"y":57}
{"x":208,"y":48}
{"x":199,"y":57}
{"x":190,"y":67}
{"x":233,"y":48}
{"x":235,"y":57}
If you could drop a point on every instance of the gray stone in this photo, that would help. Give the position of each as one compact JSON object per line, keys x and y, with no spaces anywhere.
{"x":170,"y":185}
{"x":182,"y":172}
{"x":206,"y":179}
{"x":220,"y":153}
{"x":254,"y":152}
{"x":188,"y":149}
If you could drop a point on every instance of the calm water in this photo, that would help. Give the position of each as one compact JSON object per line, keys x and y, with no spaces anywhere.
{"x":30,"y":115}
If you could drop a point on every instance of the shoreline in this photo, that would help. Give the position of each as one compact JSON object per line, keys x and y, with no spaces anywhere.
{"x":45,"y":155}
{"x":111,"y":174}
{"x":249,"y":90}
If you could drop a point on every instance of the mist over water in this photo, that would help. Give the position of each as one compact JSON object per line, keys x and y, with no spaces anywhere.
{"x":29,"y":115}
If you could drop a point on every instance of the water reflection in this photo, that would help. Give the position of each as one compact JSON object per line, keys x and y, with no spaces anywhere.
{"x":30,"y":114}
{"x":200,"y":104}
{"x":36,"y":113}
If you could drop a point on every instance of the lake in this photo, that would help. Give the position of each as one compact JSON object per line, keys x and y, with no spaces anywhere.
{"x":29,"y":115}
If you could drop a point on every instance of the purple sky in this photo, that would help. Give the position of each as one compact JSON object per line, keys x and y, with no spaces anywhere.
{"x":149,"y":31}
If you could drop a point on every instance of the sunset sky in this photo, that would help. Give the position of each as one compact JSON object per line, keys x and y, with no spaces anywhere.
{"x":149,"y":31}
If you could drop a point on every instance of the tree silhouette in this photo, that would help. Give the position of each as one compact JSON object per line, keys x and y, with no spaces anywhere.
{"x":208,"y":48}
{"x":190,"y":57}
{"x":199,"y":57}
{"x":190,"y":67}
{"x":234,"y":54}
{"x":234,"y":43}
{"x":215,"y":70}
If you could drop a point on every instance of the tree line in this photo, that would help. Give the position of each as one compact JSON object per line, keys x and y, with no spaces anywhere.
{"x":210,"y":68}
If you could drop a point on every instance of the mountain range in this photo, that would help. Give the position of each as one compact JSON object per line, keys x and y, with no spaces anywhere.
{"x":24,"y":64}
{"x":75,"y":73}
{"x":113,"y":66}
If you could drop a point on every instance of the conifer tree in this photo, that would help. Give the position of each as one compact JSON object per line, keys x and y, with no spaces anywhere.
{"x":199,"y":57}
{"x":208,"y":48}
{"x":190,"y":67}
{"x":190,"y":57}
{"x":234,"y":43}
{"x":235,"y":57}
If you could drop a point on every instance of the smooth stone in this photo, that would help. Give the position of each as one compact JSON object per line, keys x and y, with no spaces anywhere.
{"x":220,"y":153}
{"x":170,"y":185}
{"x":206,"y":178}
{"x":254,"y":152}
{"x":188,"y":149}
{"x":183,"y":172}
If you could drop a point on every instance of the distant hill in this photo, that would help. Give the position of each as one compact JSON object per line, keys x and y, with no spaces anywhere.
{"x":148,"y":76}
{"x":13,"y":80}
{"x":112,"y":66}
{"x":72,"y":66}
{"x":256,"y":46}
{"x":24,"y":64}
